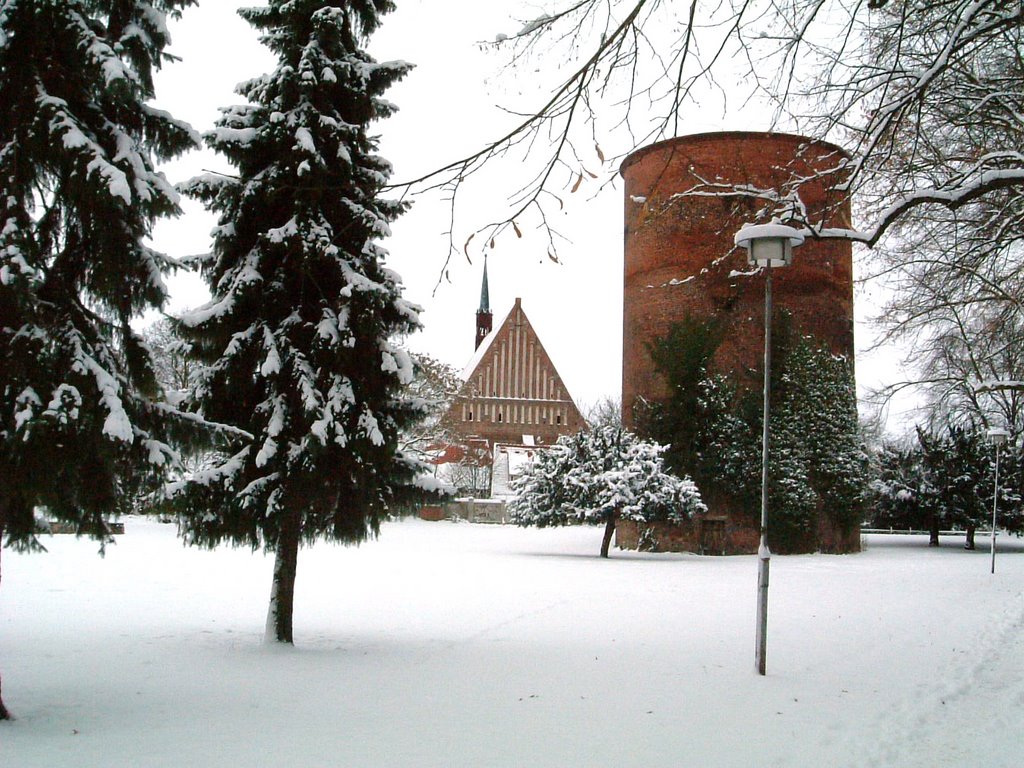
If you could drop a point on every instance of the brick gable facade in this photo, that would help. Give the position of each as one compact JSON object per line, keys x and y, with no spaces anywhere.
{"x":513,"y":392}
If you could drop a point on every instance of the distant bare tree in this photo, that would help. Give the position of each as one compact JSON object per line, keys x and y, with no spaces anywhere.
{"x":472,"y":475}
{"x":435,"y":385}
{"x":606,"y":412}
{"x":965,"y":349}
{"x":926,"y":95}
{"x":173,"y":364}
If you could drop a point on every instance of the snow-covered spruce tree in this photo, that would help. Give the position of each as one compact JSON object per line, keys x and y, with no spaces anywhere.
{"x":946,"y":480}
{"x":819,"y":465}
{"x":600,"y":477}
{"x":295,"y":340}
{"x":960,"y":466}
{"x":79,"y":195}
{"x":903,"y":496}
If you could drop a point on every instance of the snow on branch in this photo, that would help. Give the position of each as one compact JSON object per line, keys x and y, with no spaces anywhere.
{"x":953,"y":196}
{"x":996,"y":385}
{"x":221,"y":474}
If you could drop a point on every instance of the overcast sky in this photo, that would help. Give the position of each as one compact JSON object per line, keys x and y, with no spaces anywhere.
{"x":448,"y":106}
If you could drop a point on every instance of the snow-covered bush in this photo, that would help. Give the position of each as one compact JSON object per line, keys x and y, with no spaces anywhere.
{"x":711,"y":423}
{"x":946,"y":480}
{"x":600,"y":477}
{"x":819,"y":466}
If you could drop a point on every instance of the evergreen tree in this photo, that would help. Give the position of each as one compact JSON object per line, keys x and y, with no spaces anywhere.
{"x":712,"y":424}
{"x":960,"y":465}
{"x":818,"y":463}
{"x":78,"y":196}
{"x":295,"y":339}
{"x":957,"y":470}
{"x":947,"y":480}
{"x":600,"y":477}
{"x":1010,"y":509}
{"x":903,"y":494}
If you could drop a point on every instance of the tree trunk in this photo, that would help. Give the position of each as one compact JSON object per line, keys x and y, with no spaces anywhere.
{"x":282,"y":590}
{"x":969,"y":544}
{"x":933,"y":533}
{"x":609,"y":529}
{"x":4,"y":714}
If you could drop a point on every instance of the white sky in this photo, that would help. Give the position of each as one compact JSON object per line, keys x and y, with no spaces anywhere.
{"x":448,"y":107}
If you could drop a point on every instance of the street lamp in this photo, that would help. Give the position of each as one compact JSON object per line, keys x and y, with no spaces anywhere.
{"x":997,"y":437}
{"x":768,"y":246}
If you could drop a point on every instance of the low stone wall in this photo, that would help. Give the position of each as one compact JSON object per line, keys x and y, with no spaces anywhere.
{"x":472,"y":510}
{"x":115,"y":529}
{"x":710,"y":535}
{"x":718,"y":535}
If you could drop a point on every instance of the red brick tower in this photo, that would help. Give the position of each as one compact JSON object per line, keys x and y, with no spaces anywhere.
{"x":680,"y":258}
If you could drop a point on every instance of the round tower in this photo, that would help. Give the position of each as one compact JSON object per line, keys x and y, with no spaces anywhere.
{"x":681,"y":213}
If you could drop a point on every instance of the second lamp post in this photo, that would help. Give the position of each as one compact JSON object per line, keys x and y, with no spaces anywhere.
{"x":997,"y":437}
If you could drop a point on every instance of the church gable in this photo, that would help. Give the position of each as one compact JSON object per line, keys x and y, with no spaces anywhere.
{"x":513,"y":392}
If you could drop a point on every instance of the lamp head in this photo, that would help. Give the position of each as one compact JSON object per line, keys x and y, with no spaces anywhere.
{"x":769,"y":244}
{"x":998,"y":436}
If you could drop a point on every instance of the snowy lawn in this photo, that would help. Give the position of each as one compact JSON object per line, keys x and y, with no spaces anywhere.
{"x":471,"y":645}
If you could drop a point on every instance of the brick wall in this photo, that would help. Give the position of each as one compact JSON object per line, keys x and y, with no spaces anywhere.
{"x":680,"y":258}
{"x":514,"y":390}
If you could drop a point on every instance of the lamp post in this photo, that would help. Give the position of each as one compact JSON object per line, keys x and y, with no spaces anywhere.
{"x":997,"y":437}
{"x":768,"y":246}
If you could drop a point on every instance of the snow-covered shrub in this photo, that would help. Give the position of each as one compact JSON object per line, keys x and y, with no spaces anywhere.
{"x":712,"y":423}
{"x":600,"y":477}
{"x":946,"y":480}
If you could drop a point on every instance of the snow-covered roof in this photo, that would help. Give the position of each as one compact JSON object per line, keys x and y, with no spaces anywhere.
{"x":478,"y":355}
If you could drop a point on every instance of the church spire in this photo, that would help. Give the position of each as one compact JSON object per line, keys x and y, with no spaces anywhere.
{"x":484,"y":319}
{"x":485,"y":293}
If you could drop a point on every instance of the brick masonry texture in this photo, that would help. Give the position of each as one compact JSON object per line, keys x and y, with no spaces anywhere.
{"x":514,"y":390}
{"x":680,"y":258}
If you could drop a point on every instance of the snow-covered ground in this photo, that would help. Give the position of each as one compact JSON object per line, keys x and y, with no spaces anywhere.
{"x":471,"y":645}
